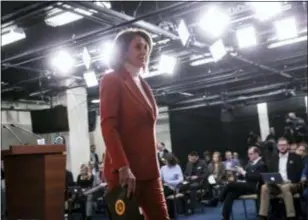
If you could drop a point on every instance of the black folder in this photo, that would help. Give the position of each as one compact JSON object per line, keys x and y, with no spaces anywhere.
{"x":122,"y":208}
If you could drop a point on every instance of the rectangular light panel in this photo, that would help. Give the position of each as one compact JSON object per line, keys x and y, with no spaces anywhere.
{"x":12,"y":36}
{"x":90,"y":79}
{"x":286,"y":28}
{"x":218,"y":50}
{"x":246,"y":37}
{"x":183,"y":32}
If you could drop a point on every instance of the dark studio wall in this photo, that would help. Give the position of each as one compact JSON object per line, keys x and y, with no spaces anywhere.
{"x":202,"y":129}
{"x":194,"y":130}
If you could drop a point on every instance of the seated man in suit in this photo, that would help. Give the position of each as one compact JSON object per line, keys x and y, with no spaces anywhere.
{"x":252,"y":177}
{"x":290,"y":166}
{"x":196,"y":169}
{"x":196,"y":173}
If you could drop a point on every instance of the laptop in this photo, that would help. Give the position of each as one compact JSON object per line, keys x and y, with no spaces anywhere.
{"x":272,"y":178}
{"x":120,"y":207}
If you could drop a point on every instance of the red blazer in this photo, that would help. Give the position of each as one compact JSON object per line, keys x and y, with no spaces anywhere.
{"x":128,"y":126}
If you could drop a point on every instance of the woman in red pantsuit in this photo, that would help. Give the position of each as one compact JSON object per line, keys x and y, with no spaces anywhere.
{"x":128,"y":114}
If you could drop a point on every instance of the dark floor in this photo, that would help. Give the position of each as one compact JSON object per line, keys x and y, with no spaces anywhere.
{"x":214,"y":213}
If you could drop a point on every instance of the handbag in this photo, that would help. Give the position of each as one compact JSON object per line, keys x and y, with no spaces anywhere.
{"x":121,"y":207}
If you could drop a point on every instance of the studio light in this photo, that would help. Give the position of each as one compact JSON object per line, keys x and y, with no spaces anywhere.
{"x":90,"y":78}
{"x":95,"y":101}
{"x":166,"y":64}
{"x":286,"y":28}
{"x":288,"y":42}
{"x":218,"y":50}
{"x":63,"y":62}
{"x":266,"y":10}
{"x":13,"y":35}
{"x":86,"y":58}
{"x":202,"y":61}
{"x":62,"y":18}
{"x":246,"y":37}
{"x":183,"y":32}
{"x":214,"y":22}
{"x":106,"y":52}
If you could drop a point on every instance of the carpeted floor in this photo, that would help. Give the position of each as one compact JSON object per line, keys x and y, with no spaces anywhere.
{"x":214,"y":213}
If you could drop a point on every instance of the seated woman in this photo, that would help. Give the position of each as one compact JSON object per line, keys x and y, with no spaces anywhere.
{"x":172,"y":176}
{"x":217,"y":169}
{"x":171,"y":173}
{"x":218,"y":172}
{"x":85,"y":181}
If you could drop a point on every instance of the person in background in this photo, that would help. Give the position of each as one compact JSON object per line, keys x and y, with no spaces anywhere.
{"x":128,"y":114}
{"x":94,"y":157}
{"x":302,"y":150}
{"x":252,"y":176}
{"x":229,"y":162}
{"x":101,"y":173}
{"x":196,"y":173}
{"x":95,"y":174}
{"x":69,"y":179}
{"x":207,"y":157}
{"x":171,"y":173}
{"x":162,"y":152}
{"x":217,"y":169}
{"x":236,"y":158}
{"x":271,"y":135}
{"x":172,"y":176}
{"x":290,"y":167}
{"x":196,"y":169}
{"x":293,"y":147}
{"x":218,"y":172}
{"x":85,"y":181}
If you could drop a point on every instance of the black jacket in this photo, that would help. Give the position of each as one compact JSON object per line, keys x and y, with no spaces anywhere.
{"x":69,"y":180}
{"x":253,"y":173}
{"x":199,"y":169}
{"x":295,"y":166}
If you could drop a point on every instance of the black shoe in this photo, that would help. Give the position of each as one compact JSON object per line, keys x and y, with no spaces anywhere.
{"x":262,"y":217}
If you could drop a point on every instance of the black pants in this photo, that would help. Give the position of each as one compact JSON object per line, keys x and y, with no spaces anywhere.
{"x":170,"y":203}
{"x":232,"y":192}
{"x":192,"y":187}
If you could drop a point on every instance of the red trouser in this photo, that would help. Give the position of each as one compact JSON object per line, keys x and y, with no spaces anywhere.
{"x":150,"y":197}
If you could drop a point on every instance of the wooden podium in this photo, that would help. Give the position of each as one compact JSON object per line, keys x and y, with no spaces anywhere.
{"x":35,"y":181}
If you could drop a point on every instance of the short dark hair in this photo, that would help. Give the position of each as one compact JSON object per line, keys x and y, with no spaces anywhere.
{"x":163,"y":144}
{"x":283,"y":139}
{"x":193,"y":153}
{"x":255,"y":149}
{"x":171,"y":159}
{"x":122,"y":42}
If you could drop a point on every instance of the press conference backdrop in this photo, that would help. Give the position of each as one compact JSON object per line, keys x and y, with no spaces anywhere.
{"x":202,"y":129}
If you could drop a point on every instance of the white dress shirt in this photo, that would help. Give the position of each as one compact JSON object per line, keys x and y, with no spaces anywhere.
{"x":283,"y":161}
{"x":136,"y":73}
{"x":256,"y":161}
